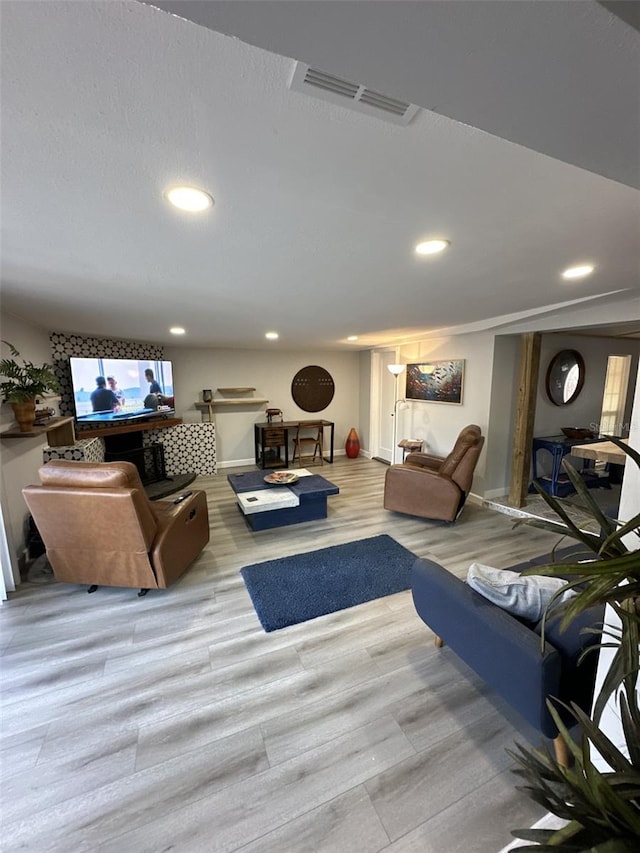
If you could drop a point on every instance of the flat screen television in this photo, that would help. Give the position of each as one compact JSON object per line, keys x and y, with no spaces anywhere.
{"x":116,"y":390}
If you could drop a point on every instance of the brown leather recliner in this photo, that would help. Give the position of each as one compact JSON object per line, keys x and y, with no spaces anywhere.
{"x":433,"y":486}
{"x":99,"y":527}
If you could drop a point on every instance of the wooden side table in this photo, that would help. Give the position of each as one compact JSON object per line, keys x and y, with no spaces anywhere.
{"x":409,"y":445}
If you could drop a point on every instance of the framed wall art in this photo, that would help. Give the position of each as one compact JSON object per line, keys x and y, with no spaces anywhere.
{"x":436,"y":381}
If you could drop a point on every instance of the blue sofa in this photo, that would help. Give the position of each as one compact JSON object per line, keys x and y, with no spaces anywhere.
{"x":506,"y":651}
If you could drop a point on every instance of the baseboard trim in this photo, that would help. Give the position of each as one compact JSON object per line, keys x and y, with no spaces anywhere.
{"x":490,"y":494}
{"x":236,"y":463}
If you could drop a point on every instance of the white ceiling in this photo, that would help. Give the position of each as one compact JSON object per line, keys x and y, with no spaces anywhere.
{"x":318,"y":207}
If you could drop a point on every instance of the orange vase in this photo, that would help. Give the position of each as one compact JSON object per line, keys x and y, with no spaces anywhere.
{"x":352,"y":446}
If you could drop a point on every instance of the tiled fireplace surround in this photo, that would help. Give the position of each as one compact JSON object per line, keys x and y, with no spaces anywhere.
{"x":188,"y":448}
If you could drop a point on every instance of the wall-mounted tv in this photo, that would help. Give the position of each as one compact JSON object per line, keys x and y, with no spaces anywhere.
{"x":113,"y":390}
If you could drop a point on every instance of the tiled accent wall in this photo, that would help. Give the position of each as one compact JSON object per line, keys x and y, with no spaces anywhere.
{"x":188,"y":448}
{"x":86,"y":450}
{"x":63,"y":346}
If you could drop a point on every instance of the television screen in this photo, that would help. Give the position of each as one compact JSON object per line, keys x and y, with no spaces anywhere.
{"x":120,"y":389}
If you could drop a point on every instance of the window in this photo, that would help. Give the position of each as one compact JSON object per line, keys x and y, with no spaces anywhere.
{"x":615,"y":395}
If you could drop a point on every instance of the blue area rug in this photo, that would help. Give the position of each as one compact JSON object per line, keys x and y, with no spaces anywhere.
{"x":304,"y":586}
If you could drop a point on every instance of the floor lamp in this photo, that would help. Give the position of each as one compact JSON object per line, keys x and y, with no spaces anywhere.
{"x":396,"y":370}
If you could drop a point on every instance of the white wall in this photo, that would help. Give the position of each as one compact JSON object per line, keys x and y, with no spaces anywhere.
{"x":21,"y":457}
{"x":504,"y":396}
{"x":610,"y":722}
{"x":489,"y":367}
{"x":629,"y":496}
{"x":586,"y":409}
{"x":270,"y":373}
{"x":364,"y":393}
{"x":489,"y":395}
{"x":610,"y":310}
{"x":439,"y":423}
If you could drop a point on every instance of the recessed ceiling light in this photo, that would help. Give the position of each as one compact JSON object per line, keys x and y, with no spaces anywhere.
{"x":190,"y":199}
{"x":272,"y":336}
{"x":432,"y":247}
{"x":578,"y":272}
{"x":352,"y":338}
{"x":177,"y":330}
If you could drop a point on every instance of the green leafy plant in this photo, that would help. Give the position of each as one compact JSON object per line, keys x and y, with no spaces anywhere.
{"x":24,"y":381}
{"x":601,"y":808}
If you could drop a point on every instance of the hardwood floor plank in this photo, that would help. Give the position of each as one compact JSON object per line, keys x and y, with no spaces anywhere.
{"x":348,"y":824}
{"x":247,"y":810}
{"x":151,"y":795}
{"x":174,"y":722}
{"x":405,"y":795}
{"x":474,"y":823}
{"x":83,"y":766}
{"x":174,"y":734}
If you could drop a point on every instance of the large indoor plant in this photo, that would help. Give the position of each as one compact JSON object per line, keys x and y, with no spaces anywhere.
{"x":601,"y":809}
{"x":22,"y":382}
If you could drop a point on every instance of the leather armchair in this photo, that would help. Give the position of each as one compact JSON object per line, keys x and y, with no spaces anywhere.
{"x":434,"y":486}
{"x":99,"y":527}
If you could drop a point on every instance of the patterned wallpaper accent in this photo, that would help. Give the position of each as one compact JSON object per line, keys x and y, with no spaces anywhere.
{"x":63,"y":346}
{"x":87,"y":450}
{"x":187,"y":448}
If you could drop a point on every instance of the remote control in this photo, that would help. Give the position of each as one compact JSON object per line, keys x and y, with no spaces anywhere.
{"x":183,"y":497}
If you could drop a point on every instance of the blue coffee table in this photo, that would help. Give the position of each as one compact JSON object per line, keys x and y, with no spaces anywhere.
{"x":304,"y":500}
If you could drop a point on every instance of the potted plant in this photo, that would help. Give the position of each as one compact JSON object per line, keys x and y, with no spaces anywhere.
{"x":601,"y":809}
{"x":21,"y":383}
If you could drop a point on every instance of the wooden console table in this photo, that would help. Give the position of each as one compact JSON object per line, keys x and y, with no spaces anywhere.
{"x":605,"y":451}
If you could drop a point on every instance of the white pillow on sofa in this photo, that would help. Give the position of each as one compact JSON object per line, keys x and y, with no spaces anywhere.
{"x":524,"y":596}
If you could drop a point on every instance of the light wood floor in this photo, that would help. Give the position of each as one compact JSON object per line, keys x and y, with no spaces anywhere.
{"x":173,"y":722}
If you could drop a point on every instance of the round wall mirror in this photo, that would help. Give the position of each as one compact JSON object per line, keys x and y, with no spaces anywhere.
{"x":565,"y":377}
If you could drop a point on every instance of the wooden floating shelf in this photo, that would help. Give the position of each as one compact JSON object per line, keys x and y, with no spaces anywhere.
{"x":219,"y":402}
{"x":241,"y":401}
{"x":59,"y":432}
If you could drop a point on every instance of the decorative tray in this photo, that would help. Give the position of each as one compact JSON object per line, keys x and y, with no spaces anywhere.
{"x":281,"y":478}
{"x":578,"y":432}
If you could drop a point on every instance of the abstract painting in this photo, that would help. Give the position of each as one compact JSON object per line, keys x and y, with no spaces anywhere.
{"x":435,"y":381}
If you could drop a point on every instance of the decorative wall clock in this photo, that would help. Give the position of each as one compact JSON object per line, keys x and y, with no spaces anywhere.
{"x":312,"y":388}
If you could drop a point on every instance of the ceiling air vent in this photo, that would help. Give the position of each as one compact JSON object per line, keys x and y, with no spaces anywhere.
{"x":340,"y":91}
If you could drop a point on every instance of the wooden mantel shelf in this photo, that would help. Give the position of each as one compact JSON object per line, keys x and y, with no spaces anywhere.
{"x":137,"y":426}
{"x":59,"y":432}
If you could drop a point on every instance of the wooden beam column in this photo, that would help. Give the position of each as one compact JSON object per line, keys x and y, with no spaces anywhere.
{"x":525,"y":415}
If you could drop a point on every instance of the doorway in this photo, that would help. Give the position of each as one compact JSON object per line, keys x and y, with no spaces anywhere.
{"x":382,"y":399}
